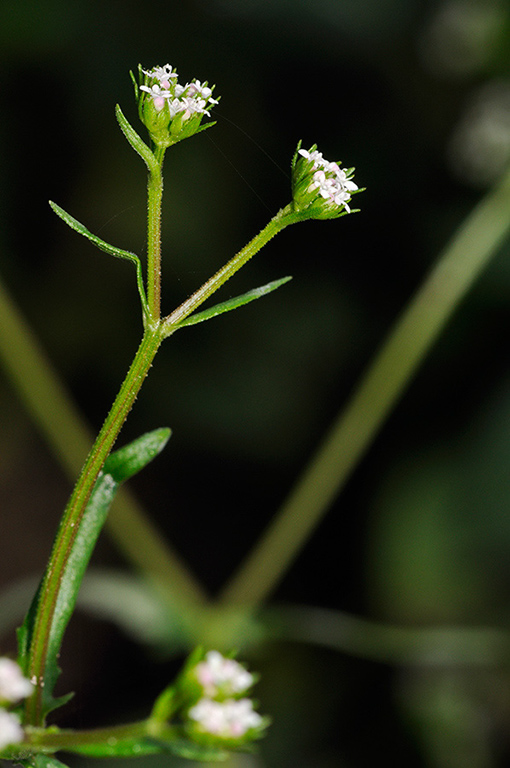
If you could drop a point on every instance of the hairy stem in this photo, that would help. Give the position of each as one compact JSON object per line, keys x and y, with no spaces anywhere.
{"x":73,"y":515}
{"x":43,"y":393}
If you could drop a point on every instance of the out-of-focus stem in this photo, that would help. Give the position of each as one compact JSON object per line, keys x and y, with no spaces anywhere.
{"x":389,"y":374}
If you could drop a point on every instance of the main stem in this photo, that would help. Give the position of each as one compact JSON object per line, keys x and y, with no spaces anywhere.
{"x":73,"y":514}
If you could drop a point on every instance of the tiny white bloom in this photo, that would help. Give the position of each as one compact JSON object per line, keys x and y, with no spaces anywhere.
{"x":196,"y":87}
{"x":227,"y":719}
{"x":13,"y":686}
{"x":163,"y":74}
{"x":158,"y":94}
{"x":313,"y":157}
{"x":217,"y":674}
{"x":11,"y":731}
{"x":175,"y":106}
{"x":194,"y":105}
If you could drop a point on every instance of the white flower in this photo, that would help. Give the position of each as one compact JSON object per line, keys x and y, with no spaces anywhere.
{"x":13,"y":686}
{"x":194,"y":105}
{"x":11,"y":731}
{"x":314,"y":157}
{"x":158,"y":94}
{"x":163,"y":74}
{"x":229,"y":719}
{"x":196,"y":87}
{"x":216,"y":674}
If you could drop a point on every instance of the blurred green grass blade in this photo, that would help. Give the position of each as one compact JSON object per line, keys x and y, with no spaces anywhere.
{"x":386,"y":378}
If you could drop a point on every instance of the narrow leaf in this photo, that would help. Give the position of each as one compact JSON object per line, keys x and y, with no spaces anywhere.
{"x":119,"y":466}
{"x":135,"y":141}
{"x":106,"y":247}
{"x":237,"y":301}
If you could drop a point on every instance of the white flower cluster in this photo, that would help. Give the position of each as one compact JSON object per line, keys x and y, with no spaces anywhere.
{"x":333,"y":183}
{"x":220,"y":712}
{"x":219,"y":675}
{"x":13,"y":687}
{"x":229,"y":719}
{"x":192,"y":98}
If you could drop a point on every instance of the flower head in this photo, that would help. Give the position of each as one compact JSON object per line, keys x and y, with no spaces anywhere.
{"x":170,"y":110}
{"x":321,"y":189}
{"x":220,"y":676}
{"x":230,"y":719}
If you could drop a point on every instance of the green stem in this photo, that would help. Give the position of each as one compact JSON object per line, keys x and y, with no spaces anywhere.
{"x":282,"y":219}
{"x":43,"y":394}
{"x":104,"y":740}
{"x":384,"y":382}
{"x":154,"y":199}
{"x":73,"y":516}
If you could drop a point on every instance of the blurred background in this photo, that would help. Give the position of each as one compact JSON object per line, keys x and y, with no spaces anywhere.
{"x":416,"y":95}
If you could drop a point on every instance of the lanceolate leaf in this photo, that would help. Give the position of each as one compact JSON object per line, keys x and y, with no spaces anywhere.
{"x":120,"y":466}
{"x":106,"y":247}
{"x":134,"y":139}
{"x":237,"y":301}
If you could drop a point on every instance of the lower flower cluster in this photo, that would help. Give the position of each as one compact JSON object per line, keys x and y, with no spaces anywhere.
{"x":223,"y":713}
{"x":13,"y":688}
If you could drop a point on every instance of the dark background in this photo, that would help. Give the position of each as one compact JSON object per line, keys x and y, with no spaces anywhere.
{"x":415,"y":95}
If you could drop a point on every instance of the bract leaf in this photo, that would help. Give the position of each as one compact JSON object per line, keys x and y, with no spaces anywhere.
{"x":135,"y":140}
{"x":237,"y":301}
{"x":106,"y":247}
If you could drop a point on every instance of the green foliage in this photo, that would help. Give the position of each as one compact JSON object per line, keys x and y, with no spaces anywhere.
{"x":234,"y":303}
{"x":106,"y":247}
{"x":121,"y":465}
